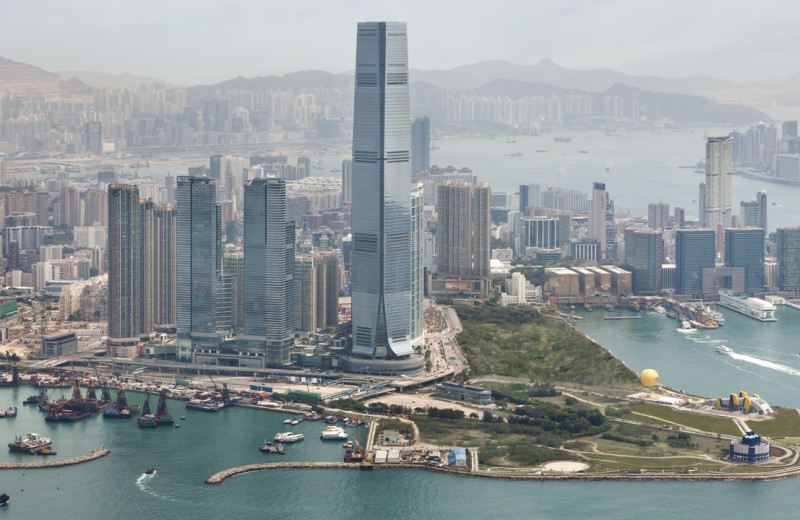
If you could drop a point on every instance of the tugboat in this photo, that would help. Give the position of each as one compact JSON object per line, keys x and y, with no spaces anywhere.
{"x":11,"y":412}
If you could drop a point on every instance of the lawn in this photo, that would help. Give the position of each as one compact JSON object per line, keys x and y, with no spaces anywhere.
{"x":525,"y":342}
{"x":786,"y":423}
{"x":706,"y":423}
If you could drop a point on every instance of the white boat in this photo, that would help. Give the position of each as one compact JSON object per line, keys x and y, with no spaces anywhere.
{"x":722,"y":349}
{"x":289,"y":437}
{"x":686,"y":327}
{"x":753,"y":307}
{"x":287,"y":421}
{"x":294,"y":422}
{"x":660,"y":310}
{"x":333,"y":433}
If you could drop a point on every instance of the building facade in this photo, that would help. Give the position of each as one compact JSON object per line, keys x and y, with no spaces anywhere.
{"x":695,"y":250}
{"x":788,"y":257}
{"x":719,"y":175}
{"x":745,"y":248}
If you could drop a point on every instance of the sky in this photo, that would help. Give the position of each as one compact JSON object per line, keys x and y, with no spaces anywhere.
{"x":202,"y":42}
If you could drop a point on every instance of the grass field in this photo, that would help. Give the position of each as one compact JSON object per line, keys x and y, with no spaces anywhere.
{"x":705,"y":423}
{"x":785,"y":424}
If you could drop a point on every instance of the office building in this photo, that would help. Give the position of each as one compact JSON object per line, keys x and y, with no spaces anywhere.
{"x":539,"y":233}
{"x":701,"y":204}
{"x":233,"y":266}
{"x":601,"y":221}
{"x":719,"y":175}
{"x":788,"y":242}
{"x":381,"y":217}
{"x":269,"y":267}
{"x":199,"y":267}
{"x":530,"y":196}
{"x":789,"y":130}
{"x":657,"y":216}
{"x":680,"y":218}
{"x":745,"y":248}
{"x":420,"y":144}
{"x":695,"y":250}
{"x":646,"y":259}
{"x":753,"y":213}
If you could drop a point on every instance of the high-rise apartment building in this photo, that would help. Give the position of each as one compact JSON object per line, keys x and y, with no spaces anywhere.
{"x":464,"y":222}
{"x":70,"y":207}
{"x":695,"y":250}
{"x":316,"y":279}
{"x":381,"y":218}
{"x":128,"y":296}
{"x":417,"y":260}
{"x":94,"y":138}
{"x":347,"y":181}
{"x":165,"y":220}
{"x":199,"y":268}
{"x":269,"y":266}
{"x":233,"y":266}
{"x":420,"y":144}
{"x":719,"y":175}
{"x":788,"y":241}
{"x":146,"y":267}
{"x":745,"y":248}
{"x":96,"y":207}
{"x":753,"y":213}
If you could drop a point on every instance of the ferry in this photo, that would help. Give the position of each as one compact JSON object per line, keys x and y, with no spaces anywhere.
{"x":722,"y":349}
{"x":333,"y":433}
{"x":752,"y":307}
{"x":289,"y":437}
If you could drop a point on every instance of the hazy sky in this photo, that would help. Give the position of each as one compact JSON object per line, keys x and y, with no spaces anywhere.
{"x":199,"y":41}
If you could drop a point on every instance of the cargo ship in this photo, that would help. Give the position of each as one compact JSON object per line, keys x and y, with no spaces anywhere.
{"x":563,"y":139}
{"x":204,"y":405}
{"x":29,"y":443}
{"x":752,"y":307}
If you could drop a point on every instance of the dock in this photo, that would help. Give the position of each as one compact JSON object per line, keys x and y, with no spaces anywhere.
{"x":622,"y":317}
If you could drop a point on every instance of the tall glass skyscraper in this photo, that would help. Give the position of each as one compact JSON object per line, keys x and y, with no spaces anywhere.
{"x":269,"y":306}
{"x":199,"y":269}
{"x":124,"y":265}
{"x":381,"y":218}
{"x":695,"y":250}
{"x":719,"y":175}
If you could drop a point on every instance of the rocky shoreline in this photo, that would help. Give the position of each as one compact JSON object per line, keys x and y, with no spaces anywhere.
{"x":96,"y":454}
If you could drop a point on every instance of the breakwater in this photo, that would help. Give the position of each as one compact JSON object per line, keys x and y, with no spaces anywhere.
{"x":96,"y":454}
{"x":222,"y":476}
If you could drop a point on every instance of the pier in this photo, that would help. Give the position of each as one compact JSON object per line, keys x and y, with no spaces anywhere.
{"x":96,"y":454}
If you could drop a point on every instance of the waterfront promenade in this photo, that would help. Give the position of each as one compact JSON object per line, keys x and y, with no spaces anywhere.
{"x":222,"y":476}
{"x":96,"y":454}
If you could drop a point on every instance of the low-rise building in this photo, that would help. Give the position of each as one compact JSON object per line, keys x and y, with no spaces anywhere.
{"x":750,"y":448}
{"x":59,"y":344}
{"x":458,"y":392}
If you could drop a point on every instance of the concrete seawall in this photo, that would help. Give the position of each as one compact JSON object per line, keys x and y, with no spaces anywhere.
{"x":222,"y":476}
{"x":96,"y":454}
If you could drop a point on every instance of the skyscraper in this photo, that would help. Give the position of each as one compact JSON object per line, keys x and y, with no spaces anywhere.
{"x":695,"y":250}
{"x":233,"y":266}
{"x":420,"y":144}
{"x":745,"y":248}
{"x":347,"y":181}
{"x":601,"y":221}
{"x":788,"y":240}
{"x":719,"y":174}
{"x":753,"y":213}
{"x":124,"y":269}
{"x":94,"y":138}
{"x":269,"y":266}
{"x":164,"y":273}
{"x":146,"y":267}
{"x":417,"y":259}
{"x":199,"y":269}
{"x":657,"y":215}
{"x":316,"y":278}
{"x":530,"y":195}
{"x":647,"y":259}
{"x":381,"y":219}
{"x":464,"y":222}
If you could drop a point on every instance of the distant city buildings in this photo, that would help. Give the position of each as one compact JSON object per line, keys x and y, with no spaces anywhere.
{"x":420,"y":144}
{"x":788,"y":258}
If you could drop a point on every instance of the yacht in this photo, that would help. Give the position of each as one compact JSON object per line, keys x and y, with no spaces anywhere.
{"x":289,"y":437}
{"x":333,"y":433}
{"x":722,"y":349}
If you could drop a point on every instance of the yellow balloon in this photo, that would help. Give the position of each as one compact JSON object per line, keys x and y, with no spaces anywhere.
{"x":648,"y":377}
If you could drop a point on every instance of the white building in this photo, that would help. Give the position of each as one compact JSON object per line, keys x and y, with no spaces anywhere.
{"x":90,"y":237}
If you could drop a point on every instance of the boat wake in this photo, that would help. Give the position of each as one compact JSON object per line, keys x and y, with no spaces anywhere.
{"x":143,"y":483}
{"x":765,"y":363}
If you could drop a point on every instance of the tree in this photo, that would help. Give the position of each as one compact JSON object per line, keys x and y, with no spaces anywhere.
{"x":93,"y":271}
{"x":487,"y":416}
